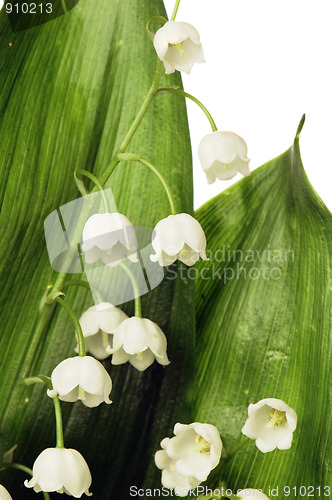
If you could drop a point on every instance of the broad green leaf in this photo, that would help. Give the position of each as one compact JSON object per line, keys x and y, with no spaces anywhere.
{"x":70,"y":89}
{"x":264,"y":322}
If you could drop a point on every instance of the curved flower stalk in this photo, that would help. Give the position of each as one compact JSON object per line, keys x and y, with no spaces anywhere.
{"x":98,"y":324}
{"x":251,"y":493}
{"x":81,"y":378}
{"x":223,"y":155}
{"x":178,"y":237}
{"x":139,"y":341}
{"x":110,"y":238}
{"x":271,"y":422}
{"x":4,"y":494}
{"x":63,"y":470}
{"x":178,"y":46}
{"x":188,"y":458}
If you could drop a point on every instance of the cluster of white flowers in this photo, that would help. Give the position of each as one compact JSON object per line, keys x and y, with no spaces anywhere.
{"x":188,"y":458}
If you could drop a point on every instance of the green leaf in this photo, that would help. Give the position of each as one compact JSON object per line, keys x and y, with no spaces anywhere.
{"x":264,"y":321}
{"x":71,"y":89}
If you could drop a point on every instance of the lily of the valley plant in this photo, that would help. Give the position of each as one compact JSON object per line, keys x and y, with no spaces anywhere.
{"x":109,"y":239}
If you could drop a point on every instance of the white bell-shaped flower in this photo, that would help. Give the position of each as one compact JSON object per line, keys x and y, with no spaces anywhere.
{"x":98,"y":324}
{"x":178,"y":46}
{"x":223,"y":155}
{"x":110,"y":238}
{"x":251,"y":493}
{"x":4,"y":495}
{"x":178,"y":237}
{"x":188,"y":458}
{"x":63,"y":470}
{"x":139,"y":341}
{"x":271,"y":422}
{"x":81,"y":377}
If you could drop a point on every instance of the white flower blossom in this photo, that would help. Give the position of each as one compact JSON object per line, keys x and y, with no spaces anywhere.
{"x":251,"y":493}
{"x":223,"y":155}
{"x":188,"y":458}
{"x":81,"y":377}
{"x":178,"y":46}
{"x":4,"y":495}
{"x":63,"y":470}
{"x":110,"y":238}
{"x":178,"y":237}
{"x":139,"y":341}
{"x":98,"y":324}
{"x":271,"y":422}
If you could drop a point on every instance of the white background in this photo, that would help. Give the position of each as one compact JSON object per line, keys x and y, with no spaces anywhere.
{"x":267,"y":63}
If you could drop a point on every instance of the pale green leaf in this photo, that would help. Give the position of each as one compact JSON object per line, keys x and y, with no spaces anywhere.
{"x":264,"y":322}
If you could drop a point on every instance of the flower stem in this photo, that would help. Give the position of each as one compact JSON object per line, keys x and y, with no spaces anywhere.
{"x":95,"y":180}
{"x":138,"y":308}
{"x":58,"y":423}
{"x":138,"y":158}
{"x":57,"y":408}
{"x":47,"y":310}
{"x":80,"y":336}
{"x":176,"y":90}
{"x":82,"y":283}
{"x":152,"y":92}
{"x":175,"y":10}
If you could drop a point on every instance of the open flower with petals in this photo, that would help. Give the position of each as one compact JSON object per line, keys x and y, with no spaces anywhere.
{"x":4,"y":495}
{"x":139,"y":341}
{"x":81,"y":377}
{"x":178,"y":237}
{"x":223,"y":155}
{"x":271,"y":422}
{"x":188,"y":458}
{"x":110,"y":238}
{"x":251,"y":493}
{"x":98,"y":324}
{"x":63,"y":470}
{"x":178,"y":46}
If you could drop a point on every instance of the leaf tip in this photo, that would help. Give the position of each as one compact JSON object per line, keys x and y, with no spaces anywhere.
{"x":300,"y":127}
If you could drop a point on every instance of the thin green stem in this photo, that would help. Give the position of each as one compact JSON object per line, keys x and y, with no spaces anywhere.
{"x":138,"y":158}
{"x":152,"y":21}
{"x":138,"y":308}
{"x":46,"y":311}
{"x":175,"y":90}
{"x":58,"y":423}
{"x":56,"y":402}
{"x":80,"y":336}
{"x":152,"y":92}
{"x":95,"y":180}
{"x":81,"y":283}
{"x":175,"y":10}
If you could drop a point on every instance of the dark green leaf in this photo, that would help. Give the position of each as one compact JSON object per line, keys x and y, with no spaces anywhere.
{"x":70,"y":90}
